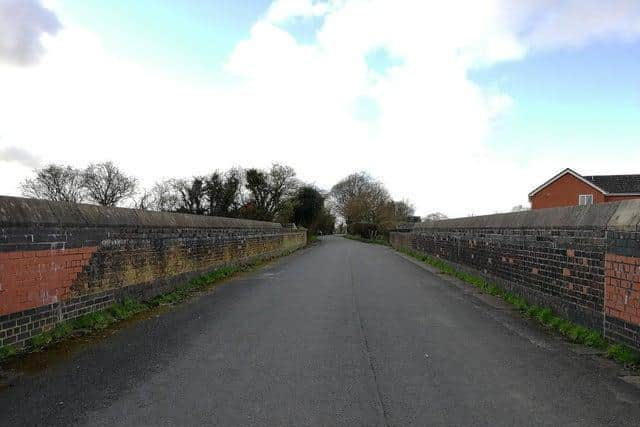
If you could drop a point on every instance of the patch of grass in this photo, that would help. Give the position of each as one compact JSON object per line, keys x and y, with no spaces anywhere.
{"x":93,"y":321}
{"x":555,"y":322}
{"x":565,"y":327}
{"x":7,"y":351}
{"x":533,"y":310}
{"x":545,"y":316}
{"x":126,"y":309}
{"x":62,"y":331}
{"x":623,"y":354}
{"x":40,"y":341}
{"x":594,"y":339}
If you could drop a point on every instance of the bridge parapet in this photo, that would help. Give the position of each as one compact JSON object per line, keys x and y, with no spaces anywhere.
{"x":582,"y":261}
{"x":59,"y":261}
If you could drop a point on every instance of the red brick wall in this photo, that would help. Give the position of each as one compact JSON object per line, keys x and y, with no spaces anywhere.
{"x":564,"y":192}
{"x":30,"y":279}
{"x":622,"y":288}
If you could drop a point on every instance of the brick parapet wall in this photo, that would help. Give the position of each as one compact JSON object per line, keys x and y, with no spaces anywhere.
{"x":584,"y":262}
{"x":72,"y":259}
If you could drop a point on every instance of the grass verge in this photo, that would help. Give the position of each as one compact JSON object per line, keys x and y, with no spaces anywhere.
{"x":127,"y":308}
{"x":545,"y":316}
{"x":376,"y":241}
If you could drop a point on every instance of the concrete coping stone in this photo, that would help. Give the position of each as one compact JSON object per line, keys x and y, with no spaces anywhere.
{"x":623,"y":215}
{"x":18,"y":211}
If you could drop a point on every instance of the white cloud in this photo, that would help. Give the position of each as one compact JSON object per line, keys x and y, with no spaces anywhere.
{"x":19,"y":156}
{"x":285,"y":10}
{"x":551,"y":24}
{"x":298,"y":103}
{"x":23,"y":23}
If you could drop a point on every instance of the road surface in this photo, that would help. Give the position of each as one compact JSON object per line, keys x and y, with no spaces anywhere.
{"x":344,"y":333}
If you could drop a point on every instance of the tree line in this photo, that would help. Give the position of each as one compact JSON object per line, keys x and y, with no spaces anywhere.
{"x":359,"y":204}
{"x":268,"y":195}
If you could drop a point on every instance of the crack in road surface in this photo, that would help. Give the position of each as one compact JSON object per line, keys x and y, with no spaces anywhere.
{"x":365,"y":347}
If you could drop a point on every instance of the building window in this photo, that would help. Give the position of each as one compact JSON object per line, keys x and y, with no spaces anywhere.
{"x":585,"y":199}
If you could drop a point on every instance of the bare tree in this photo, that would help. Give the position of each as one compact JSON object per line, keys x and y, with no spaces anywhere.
{"x":143,"y":201}
{"x":106,"y":184}
{"x":162,"y":197}
{"x":55,"y":182}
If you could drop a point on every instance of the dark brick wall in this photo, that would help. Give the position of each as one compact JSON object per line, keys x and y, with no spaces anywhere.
{"x":52,"y":272}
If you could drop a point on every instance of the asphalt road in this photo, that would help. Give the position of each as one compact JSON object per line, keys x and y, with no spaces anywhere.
{"x":344,"y":333}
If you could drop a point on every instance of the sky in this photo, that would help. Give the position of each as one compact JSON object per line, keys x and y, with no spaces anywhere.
{"x":460,"y":107}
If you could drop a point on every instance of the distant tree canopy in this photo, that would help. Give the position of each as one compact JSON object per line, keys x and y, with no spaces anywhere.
{"x":216,"y":195}
{"x":360,"y":199}
{"x":309,"y":204}
{"x":270,"y":190}
{"x":107,"y":185}
{"x":310,"y":211}
{"x":223,"y":192}
{"x":55,"y":182}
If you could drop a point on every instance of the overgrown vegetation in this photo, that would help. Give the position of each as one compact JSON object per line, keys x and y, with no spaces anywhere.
{"x":92,"y":322}
{"x":545,"y":316}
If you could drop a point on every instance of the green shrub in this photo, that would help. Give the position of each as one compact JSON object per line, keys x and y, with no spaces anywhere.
{"x":565,"y":327}
{"x":62,"y":331}
{"x":533,"y":311}
{"x":93,"y":321}
{"x":40,"y":341}
{"x":623,"y":354}
{"x":125,"y":309}
{"x":7,"y":351}
{"x":555,"y":322}
{"x":594,"y":339}
{"x":544,"y":316}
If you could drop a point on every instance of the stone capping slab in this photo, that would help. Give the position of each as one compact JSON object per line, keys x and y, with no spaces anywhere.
{"x":622,"y":215}
{"x":18,"y":211}
{"x":627,"y":217}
